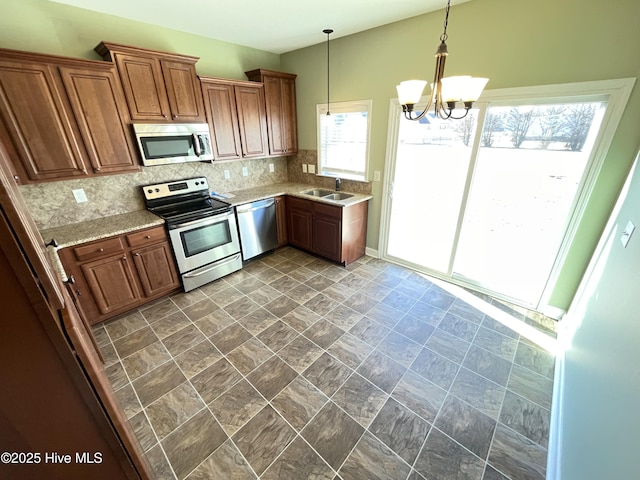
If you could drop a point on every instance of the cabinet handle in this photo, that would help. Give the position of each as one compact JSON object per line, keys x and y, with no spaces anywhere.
{"x":52,"y":243}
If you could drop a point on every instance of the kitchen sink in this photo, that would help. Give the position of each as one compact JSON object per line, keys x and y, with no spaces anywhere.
{"x":318,"y":192}
{"x":337,"y":196}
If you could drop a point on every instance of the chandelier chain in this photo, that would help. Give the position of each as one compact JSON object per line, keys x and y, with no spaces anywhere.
{"x":444,"y":35}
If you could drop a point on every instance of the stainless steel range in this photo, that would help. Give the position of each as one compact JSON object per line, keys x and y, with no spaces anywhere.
{"x":203,"y":230}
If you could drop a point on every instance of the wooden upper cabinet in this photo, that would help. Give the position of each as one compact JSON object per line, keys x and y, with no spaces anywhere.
{"x":38,"y":118}
{"x":66,"y":118}
{"x":98,"y":104}
{"x":280,"y":98}
{"x":236,"y":116}
{"x":158,"y":86}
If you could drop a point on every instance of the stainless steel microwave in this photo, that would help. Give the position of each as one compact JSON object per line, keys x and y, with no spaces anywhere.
{"x":162,"y":144}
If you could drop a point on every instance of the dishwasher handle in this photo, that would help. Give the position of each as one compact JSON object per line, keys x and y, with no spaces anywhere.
{"x":252,"y":207}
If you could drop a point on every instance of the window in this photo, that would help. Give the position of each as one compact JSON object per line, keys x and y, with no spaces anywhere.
{"x":343,"y":139}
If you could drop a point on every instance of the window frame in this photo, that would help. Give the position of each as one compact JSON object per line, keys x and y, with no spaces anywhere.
{"x":351,"y":106}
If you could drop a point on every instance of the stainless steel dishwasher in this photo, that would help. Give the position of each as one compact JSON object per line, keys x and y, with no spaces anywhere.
{"x":257,"y":227}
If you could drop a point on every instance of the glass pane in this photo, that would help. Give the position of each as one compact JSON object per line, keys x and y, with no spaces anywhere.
{"x":529,"y":167}
{"x":344,"y":141}
{"x":430,"y":172}
{"x":205,"y":238}
{"x":160,"y":147}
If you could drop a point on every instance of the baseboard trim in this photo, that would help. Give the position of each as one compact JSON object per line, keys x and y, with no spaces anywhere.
{"x":371,"y":252}
{"x":554,"y":448}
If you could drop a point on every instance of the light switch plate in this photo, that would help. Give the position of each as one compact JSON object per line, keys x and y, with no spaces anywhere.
{"x":227,"y":175}
{"x":245,"y":171}
{"x":79,"y":195}
{"x":626,"y":234}
{"x":312,"y":168}
{"x":304,"y":168}
{"x":271,"y":168}
{"x":376,"y":176}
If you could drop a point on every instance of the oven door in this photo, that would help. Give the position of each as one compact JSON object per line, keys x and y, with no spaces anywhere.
{"x":204,"y":241}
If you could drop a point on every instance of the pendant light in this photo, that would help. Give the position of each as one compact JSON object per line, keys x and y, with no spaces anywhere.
{"x":328,"y":32}
{"x":445,"y":92}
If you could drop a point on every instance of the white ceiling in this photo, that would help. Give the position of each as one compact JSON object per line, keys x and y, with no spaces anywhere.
{"x":276,"y":26}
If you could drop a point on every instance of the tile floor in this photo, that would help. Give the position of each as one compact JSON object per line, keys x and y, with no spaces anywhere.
{"x":294,"y":368}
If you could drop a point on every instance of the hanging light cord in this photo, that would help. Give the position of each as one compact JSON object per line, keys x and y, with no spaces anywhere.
{"x":328,"y":31}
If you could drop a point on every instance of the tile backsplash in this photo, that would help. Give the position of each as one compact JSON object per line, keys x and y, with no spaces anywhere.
{"x":52,"y":204}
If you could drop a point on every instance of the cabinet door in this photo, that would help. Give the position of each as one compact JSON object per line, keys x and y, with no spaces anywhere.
{"x":327,"y":237}
{"x":289,"y":115}
{"x":252,"y":120}
{"x":220,"y":105}
{"x":299,"y":223}
{"x":103,"y":118}
{"x":112,"y":283}
{"x":273,"y":95}
{"x":183,"y":90}
{"x":39,"y":121}
{"x":143,"y":87}
{"x":281,"y":220}
{"x":156,"y":269}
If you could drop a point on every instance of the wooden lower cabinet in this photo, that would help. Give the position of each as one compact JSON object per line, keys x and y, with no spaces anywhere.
{"x":333,"y":232}
{"x":281,"y":219}
{"x":117,"y":274}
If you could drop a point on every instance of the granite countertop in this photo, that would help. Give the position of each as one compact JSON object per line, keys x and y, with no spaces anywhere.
{"x":90,"y":230}
{"x":293,"y":189}
{"x":82,"y":232}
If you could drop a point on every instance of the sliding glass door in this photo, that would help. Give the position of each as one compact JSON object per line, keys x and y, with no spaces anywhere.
{"x":486,"y":201}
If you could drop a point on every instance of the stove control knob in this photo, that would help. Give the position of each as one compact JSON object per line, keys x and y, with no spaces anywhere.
{"x":157,"y":189}
{"x":149,"y":191}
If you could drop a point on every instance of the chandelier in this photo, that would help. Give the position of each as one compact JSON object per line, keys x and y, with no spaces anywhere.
{"x":445,"y":92}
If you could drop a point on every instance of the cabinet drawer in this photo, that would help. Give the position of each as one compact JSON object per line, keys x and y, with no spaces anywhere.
{"x":98,"y":249}
{"x":146,"y":237}
{"x":327,"y":210}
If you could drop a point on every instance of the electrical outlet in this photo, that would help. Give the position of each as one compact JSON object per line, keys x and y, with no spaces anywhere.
{"x":79,"y":195}
{"x":312,"y":168}
{"x":376,"y":176}
{"x":271,"y":168}
{"x":227,"y":176}
{"x":245,"y":171}
{"x":304,"y":168}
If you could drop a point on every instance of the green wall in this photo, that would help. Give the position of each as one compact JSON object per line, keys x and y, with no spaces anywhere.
{"x":47,"y":27}
{"x":513,"y":42}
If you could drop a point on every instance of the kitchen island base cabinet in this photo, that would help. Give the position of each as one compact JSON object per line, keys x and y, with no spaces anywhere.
{"x":117,"y":274}
{"x":333,"y":232}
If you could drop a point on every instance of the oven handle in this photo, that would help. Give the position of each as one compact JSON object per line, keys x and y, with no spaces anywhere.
{"x":218,"y":218}
{"x":213,"y":267}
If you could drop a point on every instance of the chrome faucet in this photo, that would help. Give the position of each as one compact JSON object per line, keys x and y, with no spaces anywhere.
{"x":338,"y":183}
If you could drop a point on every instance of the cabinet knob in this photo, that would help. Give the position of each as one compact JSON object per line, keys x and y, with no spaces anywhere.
{"x":16,"y":178}
{"x":52,"y":243}
{"x":164,"y":115}
{"x":124,"y":257}
{"x":101,"y":249}
{"x":147,"y":237}
{"x":70,"y":280}
{"x":136,"y":254}
{"x":98,"y":169}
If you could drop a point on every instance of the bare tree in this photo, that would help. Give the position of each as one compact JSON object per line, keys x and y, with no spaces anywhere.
{"x":465,"y":128}
{"x":577,"y":124}
{"x":551,"y":125}
{"x":518,"y":123}
{"x":492,"y":123}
